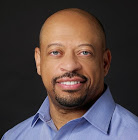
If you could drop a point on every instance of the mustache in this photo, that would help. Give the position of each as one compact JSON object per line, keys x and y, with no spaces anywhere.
{"x":69,"y":75}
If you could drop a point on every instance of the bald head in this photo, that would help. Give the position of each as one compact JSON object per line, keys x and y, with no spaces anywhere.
{"x":73,"y":17}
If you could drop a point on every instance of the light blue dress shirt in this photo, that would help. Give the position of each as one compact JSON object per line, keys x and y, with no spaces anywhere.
{"x":105,"y":120}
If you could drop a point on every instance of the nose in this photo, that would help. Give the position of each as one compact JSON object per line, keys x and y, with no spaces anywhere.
{"x":70,"y":63}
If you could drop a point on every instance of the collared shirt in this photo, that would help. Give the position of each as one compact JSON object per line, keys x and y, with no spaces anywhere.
{"x":105,"y":120}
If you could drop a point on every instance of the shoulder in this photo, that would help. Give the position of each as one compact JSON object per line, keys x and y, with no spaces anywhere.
{"x":14,"y":132}
{"x":126,"y":117}
{"x":124,"y":122}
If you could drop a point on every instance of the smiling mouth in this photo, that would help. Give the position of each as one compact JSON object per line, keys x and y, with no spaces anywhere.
{"x":70,"y":83}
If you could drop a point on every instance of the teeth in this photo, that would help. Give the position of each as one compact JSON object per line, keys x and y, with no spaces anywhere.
{"x":70,"y":82}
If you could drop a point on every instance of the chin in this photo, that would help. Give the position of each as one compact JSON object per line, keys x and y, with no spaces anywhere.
{"x":71,"y":100}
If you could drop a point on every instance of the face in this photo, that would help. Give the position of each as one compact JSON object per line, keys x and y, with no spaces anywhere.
{"x":72,"y":62}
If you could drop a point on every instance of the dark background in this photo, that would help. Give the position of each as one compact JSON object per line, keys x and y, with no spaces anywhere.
{"x":21,"y":89}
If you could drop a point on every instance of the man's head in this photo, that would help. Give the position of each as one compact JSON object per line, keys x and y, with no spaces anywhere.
{"x":72,"y":59}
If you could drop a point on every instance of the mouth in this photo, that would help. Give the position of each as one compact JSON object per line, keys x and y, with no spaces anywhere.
{"x":70,"y":83}
{"x":74,"y":83}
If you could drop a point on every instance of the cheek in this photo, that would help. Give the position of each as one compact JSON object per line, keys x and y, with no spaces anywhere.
{"x":49,"y":70}
{"x":46,"y":74}
{"x":94,"y":71}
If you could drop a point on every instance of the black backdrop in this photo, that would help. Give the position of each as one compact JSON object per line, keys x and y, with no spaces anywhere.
{"x":21,"y":89}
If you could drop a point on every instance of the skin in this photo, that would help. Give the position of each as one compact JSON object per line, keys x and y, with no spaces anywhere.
{"x":72,"y":48}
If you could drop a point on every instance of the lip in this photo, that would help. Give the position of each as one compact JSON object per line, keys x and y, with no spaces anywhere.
{"x":70,"y":87}
{"x":65,"y":79}
{"x":74,"y":83}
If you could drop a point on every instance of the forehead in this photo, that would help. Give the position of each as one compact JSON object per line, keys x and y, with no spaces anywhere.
{"x":70,"y":26}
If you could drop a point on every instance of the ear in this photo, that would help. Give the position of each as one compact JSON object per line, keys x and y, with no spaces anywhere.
{"x":107,"y":61}
{"x":37,"y":60}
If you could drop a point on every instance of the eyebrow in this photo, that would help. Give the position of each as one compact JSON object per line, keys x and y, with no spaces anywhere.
{"x":59,"y":44}
{"x":54,"y":44}
{"x":87,"y":44}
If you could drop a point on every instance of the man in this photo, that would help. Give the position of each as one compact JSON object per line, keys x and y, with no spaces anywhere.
{"x":73,"y":61}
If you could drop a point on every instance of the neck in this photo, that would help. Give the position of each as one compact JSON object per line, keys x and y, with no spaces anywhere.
{"x":61,"y":116}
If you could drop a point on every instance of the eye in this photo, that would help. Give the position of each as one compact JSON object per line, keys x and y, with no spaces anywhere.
{"x":85,"y":53}
{"x":56,"y":53}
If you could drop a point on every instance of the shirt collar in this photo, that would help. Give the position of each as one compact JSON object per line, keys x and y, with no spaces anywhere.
{"x":100,"y":114}
{"x":42,"y":113}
